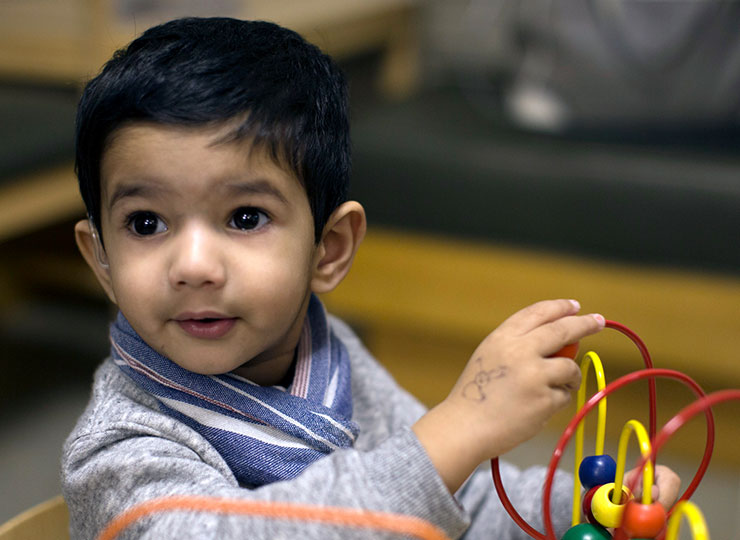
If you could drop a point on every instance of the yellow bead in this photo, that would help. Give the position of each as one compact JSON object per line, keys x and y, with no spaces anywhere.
{"x":604,"y":510}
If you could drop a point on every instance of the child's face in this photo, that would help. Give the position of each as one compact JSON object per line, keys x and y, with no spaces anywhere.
{"x":210,"y":248}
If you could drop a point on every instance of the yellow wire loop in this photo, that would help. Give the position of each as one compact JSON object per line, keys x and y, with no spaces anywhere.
{"x":648,"y":472}
{"x":695,"y":518}
{"x":588,"y":359}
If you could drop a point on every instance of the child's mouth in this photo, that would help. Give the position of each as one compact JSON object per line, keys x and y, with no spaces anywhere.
{"x":207,"y":327}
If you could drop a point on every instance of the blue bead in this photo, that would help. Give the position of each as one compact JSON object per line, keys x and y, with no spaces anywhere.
{"x":597,"y":470}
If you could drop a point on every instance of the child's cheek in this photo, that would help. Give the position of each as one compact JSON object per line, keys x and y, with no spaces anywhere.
{"x":279,"y":284}
{"x":139,"y":288}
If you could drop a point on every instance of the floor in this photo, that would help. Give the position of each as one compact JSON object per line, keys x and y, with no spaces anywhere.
{"x":34,"y":421}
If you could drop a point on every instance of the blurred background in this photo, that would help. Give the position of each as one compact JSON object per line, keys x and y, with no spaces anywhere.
{"x":506,"y":151}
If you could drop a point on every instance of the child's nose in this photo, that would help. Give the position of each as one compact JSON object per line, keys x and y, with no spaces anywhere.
{"x":197,"y":260}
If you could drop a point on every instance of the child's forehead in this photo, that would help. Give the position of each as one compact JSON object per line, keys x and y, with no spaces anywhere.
{"x":133,"y":136}
{"x":144,"y":150}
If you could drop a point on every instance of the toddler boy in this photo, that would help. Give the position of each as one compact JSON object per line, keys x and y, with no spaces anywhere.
{"x":213,"y":156}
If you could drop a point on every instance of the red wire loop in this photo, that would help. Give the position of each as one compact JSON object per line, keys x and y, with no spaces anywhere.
{"x":591,"y":403}
{"x":650,"y":373}
{"x":674,"y":424}
{"x":652,"y":400}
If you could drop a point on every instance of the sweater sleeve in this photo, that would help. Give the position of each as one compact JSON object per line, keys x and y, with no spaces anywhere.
{"x":488,"y":518}
{"x":523,"y":487}
{"x":124,"y":452}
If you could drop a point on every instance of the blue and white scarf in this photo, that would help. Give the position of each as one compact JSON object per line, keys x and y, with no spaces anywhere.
{"x":263,"y":433}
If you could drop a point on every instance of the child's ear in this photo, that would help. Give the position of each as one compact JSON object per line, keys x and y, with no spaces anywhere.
{"x":92,"y":250}
{"x":340,"y":240}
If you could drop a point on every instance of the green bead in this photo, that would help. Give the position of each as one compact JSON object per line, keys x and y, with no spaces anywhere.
{"x":587,"y":531}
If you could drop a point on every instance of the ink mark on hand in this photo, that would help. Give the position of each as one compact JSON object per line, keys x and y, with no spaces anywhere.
{"x":474,"y":389}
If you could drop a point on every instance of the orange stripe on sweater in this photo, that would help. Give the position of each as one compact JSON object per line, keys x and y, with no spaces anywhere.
{"x":345,"y":517}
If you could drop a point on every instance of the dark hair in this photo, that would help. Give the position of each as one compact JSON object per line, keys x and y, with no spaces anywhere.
{"x":282,"y":91}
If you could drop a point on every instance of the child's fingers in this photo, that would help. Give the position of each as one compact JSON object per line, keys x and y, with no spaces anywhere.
{"x":562,"y":373}
{"x":668,"y":485}
{"x":536,"y":315}
{"x":665,"y":489}
{"x":551,"y":337}
{"x":563,"y":376}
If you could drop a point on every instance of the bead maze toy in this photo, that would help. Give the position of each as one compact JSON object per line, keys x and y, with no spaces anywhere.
{"x":607,"y":506}
{"x":607,"y":502}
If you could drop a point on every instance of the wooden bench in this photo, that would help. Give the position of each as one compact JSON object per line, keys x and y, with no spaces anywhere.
{"x":423,"y":303}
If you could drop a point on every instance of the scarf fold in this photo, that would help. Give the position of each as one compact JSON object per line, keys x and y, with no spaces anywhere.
{"x":264,"y":433}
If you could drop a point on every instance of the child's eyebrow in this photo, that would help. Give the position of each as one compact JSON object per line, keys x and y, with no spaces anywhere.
{"x":234,"y":188}
{"x":256,"y":187}
{"x":123,"y":191}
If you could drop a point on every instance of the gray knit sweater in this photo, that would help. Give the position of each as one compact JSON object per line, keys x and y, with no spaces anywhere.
{"x":124,"y":451}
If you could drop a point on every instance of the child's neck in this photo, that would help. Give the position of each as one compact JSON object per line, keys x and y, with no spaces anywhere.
{"x":287,"y":379}
{"x":270,"y":372}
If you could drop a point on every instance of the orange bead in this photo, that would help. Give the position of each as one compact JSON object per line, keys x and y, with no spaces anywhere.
{"x":643,"y":520}
{"x":569,"y":351}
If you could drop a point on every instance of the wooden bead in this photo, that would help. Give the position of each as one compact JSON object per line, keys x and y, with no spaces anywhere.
{"x":597,"y":470}
{"x":569,"y":351}
{"x":586,"y":505}
{"x":587,"y":531}
{"x":605,"y":511}
{"x":643,"y":520}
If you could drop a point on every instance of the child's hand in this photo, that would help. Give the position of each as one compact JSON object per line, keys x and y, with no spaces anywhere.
{"x":508,"y":390}
{"x":511,"y":386}
{"x":665,"y":487}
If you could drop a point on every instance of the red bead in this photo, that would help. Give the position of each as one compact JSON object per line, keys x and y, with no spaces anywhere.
{"x":643,"y":520}
{"x":587,"y":504}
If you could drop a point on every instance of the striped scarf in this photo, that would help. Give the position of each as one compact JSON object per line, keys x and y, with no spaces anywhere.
{"x":263,"y":433}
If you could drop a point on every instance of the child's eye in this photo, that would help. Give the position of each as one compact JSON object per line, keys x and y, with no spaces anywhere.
{"x":145,"y":223}
{"x":248,"y":218}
